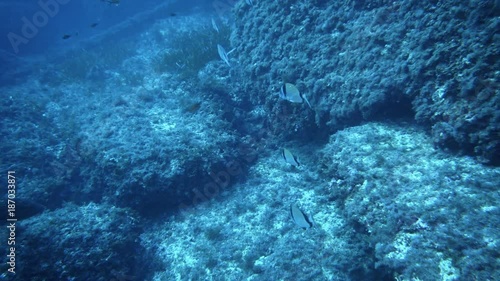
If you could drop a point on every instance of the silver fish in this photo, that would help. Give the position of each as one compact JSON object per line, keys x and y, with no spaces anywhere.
{"x":223,"y":54}
{"x":300,"y":218}
{"x":290,"y":93}
{"x":214,"y":25}
{"x":290,"y":158}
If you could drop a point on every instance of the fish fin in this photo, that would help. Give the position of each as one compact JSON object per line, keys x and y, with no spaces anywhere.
{"x":296,"y":160}
{"x":307,"y":101}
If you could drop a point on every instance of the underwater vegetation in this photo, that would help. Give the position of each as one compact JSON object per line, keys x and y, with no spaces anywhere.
{"x":187,"y":51}
{"x":341,"y":140}
{"x":72,"y":227}
{"x":429,"y":62}
{"x":82,"y":66}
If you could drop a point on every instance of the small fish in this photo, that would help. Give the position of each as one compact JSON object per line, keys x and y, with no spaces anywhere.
{"x":214,"y":25}
{"x":173,"y":14}
{"x":66,"y":36}
{"x":192,"y":108}
{"x":290,"y":158}
{"x":300,"y":218}
{"x":115,"y":2}
{"x":223,"y":54}
{"x":290,"y":93}
{"x":94,"y":24}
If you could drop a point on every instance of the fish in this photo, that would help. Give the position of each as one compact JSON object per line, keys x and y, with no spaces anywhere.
{"x":192,"y":108}
{"x":94,"y":24}
{"x":214,"y":25}
{"x":67,"y":35}
{"x":223,"y":54}
{"x":116,"y":2}
{"x":290,"y":93}
{"x":290,"y":158}
{"x":300,"y":218}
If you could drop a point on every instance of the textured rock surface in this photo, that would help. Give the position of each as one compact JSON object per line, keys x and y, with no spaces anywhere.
{"x":424,"y":213}
{"x":65,"y":244}
{"x":432,"y":61}
{"x":158,"y":130}
{"x":386,"y":205}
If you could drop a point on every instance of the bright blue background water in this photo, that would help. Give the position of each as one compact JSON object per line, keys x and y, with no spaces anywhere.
{"x":76,"y":16}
